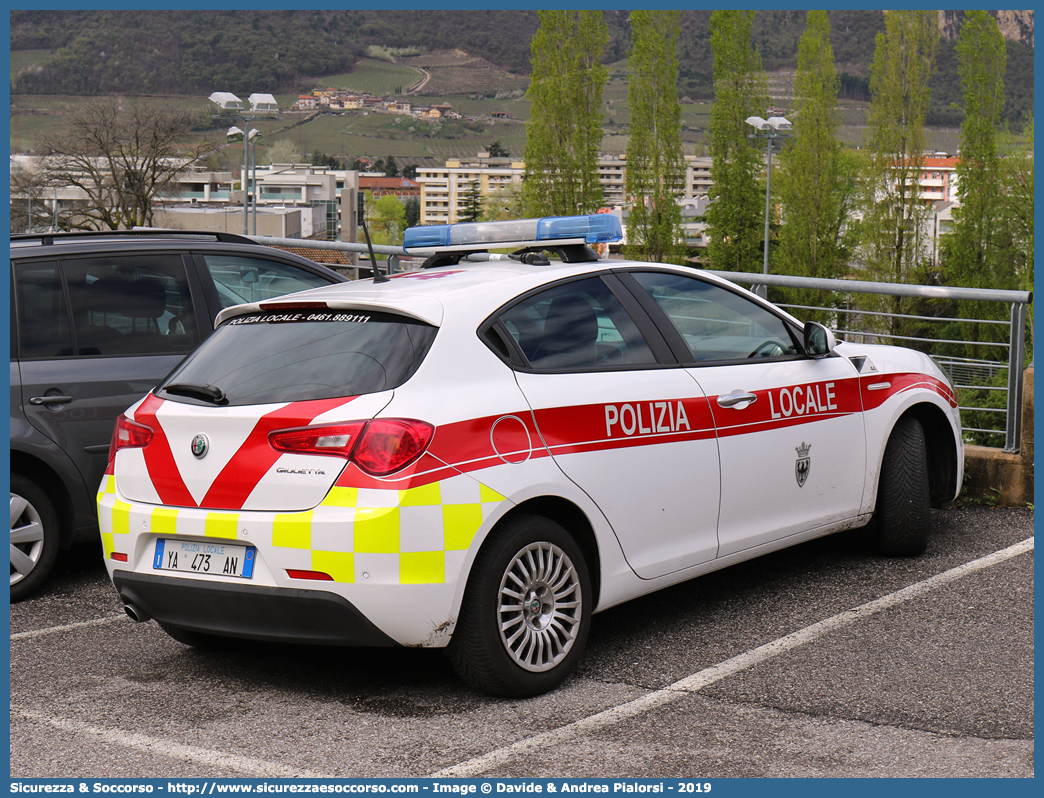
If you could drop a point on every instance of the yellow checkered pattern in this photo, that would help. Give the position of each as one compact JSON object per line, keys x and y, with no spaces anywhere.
{"x":113,"y":515}
{"x":356,"y":535}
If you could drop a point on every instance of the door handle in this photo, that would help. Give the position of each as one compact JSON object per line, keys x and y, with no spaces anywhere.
{"x":47,"y":400}
{"x":737,"y":398}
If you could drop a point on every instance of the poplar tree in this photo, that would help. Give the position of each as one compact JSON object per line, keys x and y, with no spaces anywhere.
{"x":895,"y":217}
{"x":1017,"y":206}
{"x":735,"y":218}
{"x":565,"y":127}
{"x":655,"y":166}
{"x":984,"y":248}
{"x":817,"y":181}
{"x":977,"y":253}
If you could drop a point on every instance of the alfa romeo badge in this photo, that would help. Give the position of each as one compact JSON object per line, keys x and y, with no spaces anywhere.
{"x":200,"y":445}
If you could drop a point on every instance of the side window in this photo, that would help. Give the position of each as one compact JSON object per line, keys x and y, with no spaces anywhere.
{"x":131,"y":305}
{"x":716,"y":323}
{"x":43,"y":316}
{"x":240,"y":279}
{"x":578,"y":325}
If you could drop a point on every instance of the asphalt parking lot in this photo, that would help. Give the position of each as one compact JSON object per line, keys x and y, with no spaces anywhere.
{"x":823,"y":660}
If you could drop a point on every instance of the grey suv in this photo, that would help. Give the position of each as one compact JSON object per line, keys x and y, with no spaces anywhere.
{"x":97,"y":319}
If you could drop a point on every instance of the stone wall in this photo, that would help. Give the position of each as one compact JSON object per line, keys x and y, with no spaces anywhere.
{"x":995,"y":476}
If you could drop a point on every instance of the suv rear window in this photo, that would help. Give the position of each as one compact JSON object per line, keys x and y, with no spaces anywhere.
{"x":239,"y":279}
{"x":292,"y":356}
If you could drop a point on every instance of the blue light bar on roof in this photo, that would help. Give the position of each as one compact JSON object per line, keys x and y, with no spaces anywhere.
{"x":601,"y":228}
{"x":598,"y":228}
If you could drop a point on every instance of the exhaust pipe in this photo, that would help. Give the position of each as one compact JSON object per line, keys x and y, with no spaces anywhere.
{"x":136,"y":614}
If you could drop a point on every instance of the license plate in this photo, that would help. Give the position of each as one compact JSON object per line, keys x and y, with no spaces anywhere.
{"x":219,"y":559}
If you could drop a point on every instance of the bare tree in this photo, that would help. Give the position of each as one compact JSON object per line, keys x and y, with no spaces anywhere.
{"x":121,"y":158}
{"x":28,"y":191}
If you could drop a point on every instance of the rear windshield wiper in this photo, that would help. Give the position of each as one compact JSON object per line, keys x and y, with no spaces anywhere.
{"x":209,"y":393}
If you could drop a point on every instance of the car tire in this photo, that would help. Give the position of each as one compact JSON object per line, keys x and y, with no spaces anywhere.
{"x":902,"y":493}
{"x":34,"y":536}
{"x":526,"y":612}
{"x":201,"y":640}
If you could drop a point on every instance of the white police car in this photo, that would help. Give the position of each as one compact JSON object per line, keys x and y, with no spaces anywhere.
{"x":480,"y":455}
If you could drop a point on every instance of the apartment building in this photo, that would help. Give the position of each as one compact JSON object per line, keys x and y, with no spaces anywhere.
{"x":442,"y":189}
{"x":939,"y":179}
{"x":612,"y":174}
{"x":697,"y":176}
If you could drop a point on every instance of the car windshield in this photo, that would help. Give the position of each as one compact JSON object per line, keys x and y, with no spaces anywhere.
{"x":292,"y":356}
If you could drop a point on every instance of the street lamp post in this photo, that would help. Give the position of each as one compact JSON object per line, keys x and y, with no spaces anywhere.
{"x":249,"y":168}
{"x":252,"y":138}
{"x":769,"y":129}
{"x":230,"y":107}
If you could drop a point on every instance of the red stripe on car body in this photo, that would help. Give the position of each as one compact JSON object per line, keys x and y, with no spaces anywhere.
{"x":900,"y":383}
{"x":468,"y":445}
{"x":159,"y":460}
{"x":790,"y":405}
{"x":255,"y":457}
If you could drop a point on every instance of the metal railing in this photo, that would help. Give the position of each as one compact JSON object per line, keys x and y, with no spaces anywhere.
{"x":390,"y":266}
{"x":969,"y":375}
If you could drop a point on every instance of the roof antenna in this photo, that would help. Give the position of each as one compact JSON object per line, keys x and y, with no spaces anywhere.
{"x":377,"y":276}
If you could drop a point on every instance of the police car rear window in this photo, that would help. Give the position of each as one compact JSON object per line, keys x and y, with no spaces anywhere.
{"x":292,"y":356}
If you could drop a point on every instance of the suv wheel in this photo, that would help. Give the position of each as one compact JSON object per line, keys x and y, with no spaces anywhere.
{"x":34,"y":536}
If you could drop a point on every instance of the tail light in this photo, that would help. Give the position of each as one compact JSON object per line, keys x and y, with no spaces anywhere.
{"x":337,"y":441}
{"x":388,"y":444}
{"x":379,"y":447}
{"x":129,"y":435}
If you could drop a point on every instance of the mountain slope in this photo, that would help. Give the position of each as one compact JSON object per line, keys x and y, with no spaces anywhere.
{"x":196,"y":52}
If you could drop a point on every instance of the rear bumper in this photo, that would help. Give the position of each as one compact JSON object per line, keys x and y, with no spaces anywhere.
{"x":273,"y":614}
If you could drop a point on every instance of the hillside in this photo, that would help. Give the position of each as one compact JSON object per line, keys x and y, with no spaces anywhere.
{"x":852,"y":36}
{"x":452,"y":72}
{"x":464,"y":53}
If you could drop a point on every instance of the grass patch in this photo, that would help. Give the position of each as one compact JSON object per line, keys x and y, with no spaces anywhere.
{"x":354,"y":134}
{"x":378,"y":78}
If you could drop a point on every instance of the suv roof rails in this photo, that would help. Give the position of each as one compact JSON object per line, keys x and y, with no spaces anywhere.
{"x":48,"y":239}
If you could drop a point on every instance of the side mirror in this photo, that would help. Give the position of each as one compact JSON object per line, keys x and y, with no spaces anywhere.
{"x":819,"y":341}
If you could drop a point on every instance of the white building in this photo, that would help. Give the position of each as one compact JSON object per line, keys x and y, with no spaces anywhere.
{"x":279,"y":186}
{"x":443,"y":189}
{"x":325,"y":199}
{"x":697,"y":176}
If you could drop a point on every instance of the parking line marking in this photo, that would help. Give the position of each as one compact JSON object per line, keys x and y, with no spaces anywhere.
{"x":248,"y":766}
{"x":55,"y":629}
{"x":697,"y":681}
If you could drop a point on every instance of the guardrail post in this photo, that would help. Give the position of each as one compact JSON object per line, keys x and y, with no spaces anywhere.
{"x":1016,"y":353}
